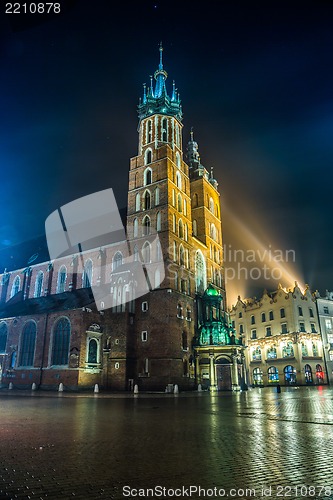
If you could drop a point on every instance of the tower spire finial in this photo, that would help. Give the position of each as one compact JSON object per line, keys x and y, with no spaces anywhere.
{"x":161,"y":51}
{"x":191,"y":134}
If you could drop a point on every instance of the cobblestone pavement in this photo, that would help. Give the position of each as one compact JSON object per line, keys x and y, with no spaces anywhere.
{"x":87,"y":446}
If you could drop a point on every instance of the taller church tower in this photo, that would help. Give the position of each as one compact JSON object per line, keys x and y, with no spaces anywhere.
{"x":179,"y":202}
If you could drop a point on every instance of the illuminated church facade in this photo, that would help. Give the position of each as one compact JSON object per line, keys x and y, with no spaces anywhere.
{"x":51,"y":331}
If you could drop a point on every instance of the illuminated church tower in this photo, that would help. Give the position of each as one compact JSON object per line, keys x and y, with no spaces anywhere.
{"x":179,"y":201}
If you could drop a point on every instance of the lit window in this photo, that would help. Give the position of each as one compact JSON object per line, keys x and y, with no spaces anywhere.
{"x":271,"y":353}
{"x":256,"y":354}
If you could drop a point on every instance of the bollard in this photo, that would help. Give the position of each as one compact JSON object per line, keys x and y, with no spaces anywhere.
{"x":61,"y":387}
{"x":96,"y":388}
{"x":199,"y":388}
{"x":176,"y":390}
{"x":10,"y":387}
{"x":34,"y":386}
{"x":136,"y":389}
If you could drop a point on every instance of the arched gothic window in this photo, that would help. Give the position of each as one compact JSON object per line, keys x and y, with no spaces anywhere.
{"x":147,"y":177}
{"x":60,"y":346}
{"x":211,"y":205}
{"x":164,"y":130}
{"x":181,"y":256}
{"x":149,"y":130}
{"x":158,"y":221}
{"x":146,"y":252}
{"x":146,"y":225}
{"x":179,"y":203}
{"x":148,"y":156}
{"x":135,"y":227}
{"x":178,"y":180}
{"x":28,"y":342}
{"x":117,"y":260}
{"x":180,"y":229}
{"x":92,"y":351}
{"x":178,"y":162}
{"x":62,"y":276}
{"x":16,"y":286}
{"x":87,"y":274}
{"x":157,"y":196}
{"x":39,"y":284}
{"x":147,"y":200}
{"x":137,"y":202}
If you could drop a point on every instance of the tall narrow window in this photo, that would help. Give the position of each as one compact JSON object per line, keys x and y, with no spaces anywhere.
{"x":185,"y":232}
{"x":164,"y":130}
{"x":195,"y":200}
{"x":211,"y":205}
{"x":181,"y":256}
{"x":147,"y":199}
{"x":179,"y":203}
{"x":28,"y":342}
{"x":62,"y":276}
{"x":137,"y":202}
{"x":147,"y":177}
{"x":135,"y":227}
{"x":92,"y":351}
{"x":87,"y":274}
{"x":39,"y":284}
{"x":136,"y":253}
{"x":157,"y":196}
{"x":146,"y":253}
{"x":16,"y":286}
{"x":146,"y":226}
{"x":180,"y":229}
{"x":174,"y":223}
{"x":158,"y":221}
{"x":61,"y":337}
{"x":194,"y":228}
{"x":149,"y":137}
{"x":117,"y":260}
{"x":178,"y":160}
{"x":3,"y":336}
{"x":148,"y":156}
{"x":178,"y":180}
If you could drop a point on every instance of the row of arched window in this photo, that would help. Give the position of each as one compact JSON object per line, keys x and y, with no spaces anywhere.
{"x":166,"y":132}
{"x":289,"y":373}
{"x":25,"y":355}
{"x":181,"y":228}
{"x":143,"y":201}
{"x":287,"y":351}
{"x":213,"y":207}
{"x":179,"y":203}
{"x":146,"y":227}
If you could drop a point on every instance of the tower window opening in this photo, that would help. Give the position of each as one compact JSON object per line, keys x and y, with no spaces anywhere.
{"x":147,"y":200}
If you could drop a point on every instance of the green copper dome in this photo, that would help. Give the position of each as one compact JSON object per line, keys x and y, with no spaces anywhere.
{"x":211,"y":291}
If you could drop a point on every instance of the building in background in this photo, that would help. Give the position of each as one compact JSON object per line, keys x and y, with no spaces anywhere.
{"x":282,"y":334}
{"x":51,"y":331}
{"x":325,"y":313}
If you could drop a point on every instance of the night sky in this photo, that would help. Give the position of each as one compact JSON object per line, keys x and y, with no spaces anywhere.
{"x":256,"y":83}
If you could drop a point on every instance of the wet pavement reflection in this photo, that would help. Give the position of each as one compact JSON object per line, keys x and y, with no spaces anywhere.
{"x":90,"y":446}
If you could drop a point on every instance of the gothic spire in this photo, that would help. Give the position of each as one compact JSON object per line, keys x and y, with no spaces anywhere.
{"x":156,"y":100}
